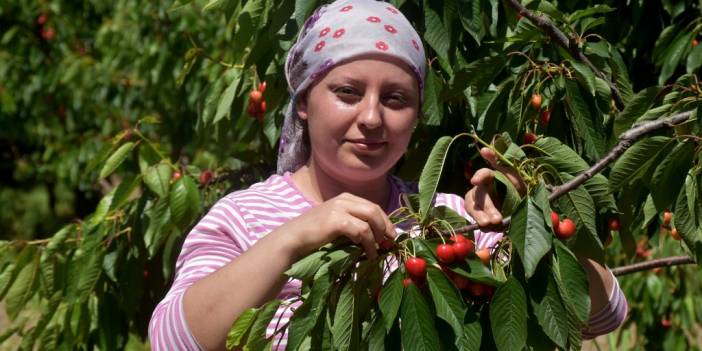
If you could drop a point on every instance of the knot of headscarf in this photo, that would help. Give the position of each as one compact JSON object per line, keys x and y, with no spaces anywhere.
{"x":335,"y":33}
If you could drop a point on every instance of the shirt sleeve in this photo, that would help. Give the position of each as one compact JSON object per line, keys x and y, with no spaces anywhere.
{"x":611,"y":316}
{"x":215,"y":241}
{"x":605,"y":321}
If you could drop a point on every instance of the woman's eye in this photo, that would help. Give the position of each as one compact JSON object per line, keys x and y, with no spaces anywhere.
{"x":346,"y":91}
{"x":396,"y":99}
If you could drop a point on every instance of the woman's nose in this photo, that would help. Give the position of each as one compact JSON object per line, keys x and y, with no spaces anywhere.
{"x":371,"y":115}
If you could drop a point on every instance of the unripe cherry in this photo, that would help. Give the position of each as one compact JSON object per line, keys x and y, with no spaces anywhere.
{"x":536,"y":101}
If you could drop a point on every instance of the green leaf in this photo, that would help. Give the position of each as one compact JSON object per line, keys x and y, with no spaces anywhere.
{"x":432,"y":107}
{"x":588,"y":12}
{"x":529,"y":235}
{"x":572,"y":281}
{"x":586,"y":124}
{"x":450,"y":307}
{"x":685,"y":214}
{"x":477,"y":75}
{"x":184,"y":201}
{"x":156,"y":233}
{"x":670,"y":174}
{"x":123,"y":192}
{"x":511,"y":198}
{"x":431,"y":174}
{"x":342,"y":326}
{"x":547,"y":305}
{"x":224,"y":107}
{"x":508,"y":316}
{"x":418,"y":332}
{"x":391,"y":298}
{"x":450,"y":216}
{"x":435,"y":34}
{"x":116,"y":159}
{"x":586,"y":75}
{"x":247,"y":29}
{"x":694,"y":59}
{"x":636,"y":160}
{"x":306,"y":268}
{"x":305,"y":317}
{"x":240,"y":327}
{"x":23,"y":288}
{"x":257,"y":336}
{"x":471,"y":19}
{"x":376,"y":335}
{"x":673,"y":54}
{"x":157,"y":178}
{"x":639,"y":104}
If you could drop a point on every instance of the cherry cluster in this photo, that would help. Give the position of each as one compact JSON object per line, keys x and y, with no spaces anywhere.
{"x":563,"y":229}
{"x":447,"y":254}
{"x":257,"y":104}
{"x":544,"y":117}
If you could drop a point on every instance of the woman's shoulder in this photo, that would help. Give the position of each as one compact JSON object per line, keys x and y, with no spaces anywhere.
{"x":274,"y":192}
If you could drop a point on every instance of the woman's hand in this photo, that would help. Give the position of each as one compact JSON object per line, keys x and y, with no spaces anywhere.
{"x":360,"y":220}
{"x":481,"y":201}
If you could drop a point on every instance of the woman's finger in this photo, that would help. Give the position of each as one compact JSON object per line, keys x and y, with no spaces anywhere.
{"x":491,"y":158}
{"x":371,"y":213}
{"x":484,"y":202}
{"x":360,"y":233}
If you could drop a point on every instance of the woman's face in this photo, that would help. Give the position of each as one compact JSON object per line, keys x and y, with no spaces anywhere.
{"x":360,"y":117}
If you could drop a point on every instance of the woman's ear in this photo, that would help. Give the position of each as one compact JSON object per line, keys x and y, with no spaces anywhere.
{"x":301,"y":106}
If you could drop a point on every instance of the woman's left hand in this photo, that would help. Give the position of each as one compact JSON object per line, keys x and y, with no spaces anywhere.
{"x":481,"y":201}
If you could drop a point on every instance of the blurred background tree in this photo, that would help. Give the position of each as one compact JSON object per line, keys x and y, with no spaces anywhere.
{"x":101,"y":104}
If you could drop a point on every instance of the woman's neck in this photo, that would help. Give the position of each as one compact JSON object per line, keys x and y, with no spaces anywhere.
{"x":320,"y":186}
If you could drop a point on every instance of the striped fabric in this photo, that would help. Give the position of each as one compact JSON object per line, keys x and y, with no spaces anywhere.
{"x":238,"y":220}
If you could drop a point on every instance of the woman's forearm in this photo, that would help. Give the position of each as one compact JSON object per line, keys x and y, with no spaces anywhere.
{"x":213,"y":303}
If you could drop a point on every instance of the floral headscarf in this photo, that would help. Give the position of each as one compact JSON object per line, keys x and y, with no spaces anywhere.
{"x":335,"y":33}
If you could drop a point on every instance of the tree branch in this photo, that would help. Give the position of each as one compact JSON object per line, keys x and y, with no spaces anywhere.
{"x":569,"y":44}
{"x":626,"y":139}
{"x":644,"y":266}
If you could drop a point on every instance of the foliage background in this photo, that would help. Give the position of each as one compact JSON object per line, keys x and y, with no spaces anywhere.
{"x":171,"y":80}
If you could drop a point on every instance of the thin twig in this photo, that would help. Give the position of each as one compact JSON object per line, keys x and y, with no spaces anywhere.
{"x":644,"y":266}
{"x":626,"y":139}
{"x":569,"y":44}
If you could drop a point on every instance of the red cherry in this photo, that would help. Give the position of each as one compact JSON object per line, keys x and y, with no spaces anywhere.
{"x":42,"y":19}
{"x":262,"y":87}
{"x":458,"y":238}
{"x":536,"y":101}
{"x":407,"y":281}
{"x":613,"y":223}
{"x":555,"y":220}
{"x":416,"y":267}
{"x":666,"y":323}
{"x":205,"y":177}
{"x":667,"y":217}
{"x":695,"y":42}
{"x":566,"y":229}
{"x":445,"y":253}
{"x":477,"y":289}
{"x":386,"y":244}
{"x":484,"y":255}
{"x":176,"y":176}
{"x":461,"y":249}
{"x":545,"y":117}
{"x":146,"y":273}
{"x":461,"y":282}
{"x":255,"y":96}
{"x":252,"y":109}
{"x":48,"y":33}
{"x":262,"y":107}
{"x":529,"y":138}
{"x":674,"y":233}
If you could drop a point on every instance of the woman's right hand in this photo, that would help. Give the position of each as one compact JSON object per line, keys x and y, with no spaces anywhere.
{"x":360,"y":220}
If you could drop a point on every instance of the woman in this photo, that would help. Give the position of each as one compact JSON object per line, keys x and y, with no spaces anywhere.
{"x":356,"y":77}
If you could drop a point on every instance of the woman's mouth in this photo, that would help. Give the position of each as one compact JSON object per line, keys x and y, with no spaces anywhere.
{"x":367,"y":144}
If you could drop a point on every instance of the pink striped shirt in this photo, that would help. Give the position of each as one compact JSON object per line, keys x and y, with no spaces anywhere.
{"x":241,"y":218}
